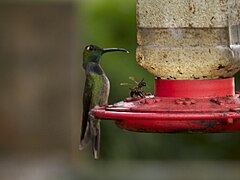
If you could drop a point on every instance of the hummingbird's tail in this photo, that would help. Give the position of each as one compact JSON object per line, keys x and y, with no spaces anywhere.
{"x":95,"y":137}
{"x":92,"y":133}
{"x":85,"y":137}
{"x":96,"y":144}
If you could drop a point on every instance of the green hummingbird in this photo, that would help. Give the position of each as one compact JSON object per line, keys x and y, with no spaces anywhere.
{"x":96,"y":92}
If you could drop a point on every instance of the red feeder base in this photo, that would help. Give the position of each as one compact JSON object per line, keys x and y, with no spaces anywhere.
{"x":179,"y":106}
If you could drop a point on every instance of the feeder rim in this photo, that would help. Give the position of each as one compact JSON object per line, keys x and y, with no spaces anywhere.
{"x":194,"y":88}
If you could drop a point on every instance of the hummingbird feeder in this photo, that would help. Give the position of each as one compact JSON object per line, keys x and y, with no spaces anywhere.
{"x":192,"y":47}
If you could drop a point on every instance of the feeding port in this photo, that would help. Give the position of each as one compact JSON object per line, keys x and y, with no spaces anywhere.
{"x":192,"y":48}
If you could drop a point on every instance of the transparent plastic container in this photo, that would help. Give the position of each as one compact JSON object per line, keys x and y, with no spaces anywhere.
{"x":189,"y":39}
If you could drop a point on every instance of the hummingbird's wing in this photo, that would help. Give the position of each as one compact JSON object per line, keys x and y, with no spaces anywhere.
{"x":100,"y":93}
{"x":85,"y":129}
{"x":95,"y":136}
{"x":96,"y":94}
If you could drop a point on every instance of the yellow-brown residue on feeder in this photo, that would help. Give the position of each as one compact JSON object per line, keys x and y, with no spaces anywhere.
{"x":185,"y":39}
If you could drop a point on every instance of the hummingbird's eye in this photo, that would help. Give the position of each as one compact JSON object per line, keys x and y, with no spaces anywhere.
{"x":90,"y":48}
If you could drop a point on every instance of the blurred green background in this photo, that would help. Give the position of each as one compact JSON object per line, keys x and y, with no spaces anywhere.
{"x":41,"y":94}
{"x":113,"y":24}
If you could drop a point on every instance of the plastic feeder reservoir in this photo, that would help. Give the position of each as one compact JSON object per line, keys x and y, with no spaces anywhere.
{"x":193,"y":50}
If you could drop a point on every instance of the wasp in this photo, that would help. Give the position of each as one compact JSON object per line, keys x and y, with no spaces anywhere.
{"x":137,"y":90}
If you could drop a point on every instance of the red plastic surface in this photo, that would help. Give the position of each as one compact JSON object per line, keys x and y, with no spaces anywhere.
{"x":194,"y":88}
{"x":217,"y":109}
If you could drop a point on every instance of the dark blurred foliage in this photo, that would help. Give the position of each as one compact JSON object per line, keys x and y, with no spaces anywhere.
{"x":110,"y":23}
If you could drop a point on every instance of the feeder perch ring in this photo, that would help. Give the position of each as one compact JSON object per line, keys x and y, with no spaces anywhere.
{"x":179,"y":106}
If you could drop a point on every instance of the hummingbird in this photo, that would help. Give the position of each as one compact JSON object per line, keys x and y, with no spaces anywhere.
{"x":96,"y":92}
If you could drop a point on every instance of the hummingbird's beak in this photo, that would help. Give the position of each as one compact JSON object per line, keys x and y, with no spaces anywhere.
{"x":104,"y":50}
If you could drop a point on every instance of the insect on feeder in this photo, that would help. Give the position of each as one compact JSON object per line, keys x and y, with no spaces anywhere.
{"x":192,"y":49}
